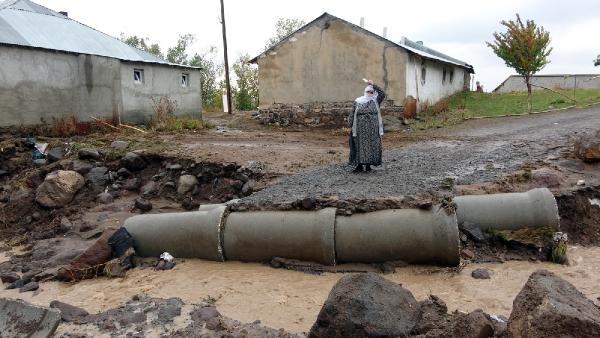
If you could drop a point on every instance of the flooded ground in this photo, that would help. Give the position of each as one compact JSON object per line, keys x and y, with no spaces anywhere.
{"x":292,"y":300}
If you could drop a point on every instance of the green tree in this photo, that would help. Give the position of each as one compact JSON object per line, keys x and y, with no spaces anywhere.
{"x":283,"y":28}
{"x":523,"y":47}
{"x":246,"y":88}
{"x":597,"y":61}
{"x":211,"y":70}
{"x":178,"y":53}
{"x":143,"y":44}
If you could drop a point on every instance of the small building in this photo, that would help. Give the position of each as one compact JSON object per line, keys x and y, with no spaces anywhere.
{"x":326,"y":60}
{"x":516,"y":83}
{"x":53,"y":66}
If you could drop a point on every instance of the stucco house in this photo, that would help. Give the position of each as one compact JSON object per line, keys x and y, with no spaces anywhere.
{"x":325,"y":61}
{"x":516,"y":83}
{"x":51,"y":66}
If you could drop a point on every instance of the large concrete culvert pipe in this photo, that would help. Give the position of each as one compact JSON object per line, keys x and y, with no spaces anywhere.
{"x":188,"y":234}
{"x":534,"y":208}
{"x":258,"y":236}
{"x":409,"y":235}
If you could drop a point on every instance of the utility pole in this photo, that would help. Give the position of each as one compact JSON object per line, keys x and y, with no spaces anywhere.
{"x":227,"y":84}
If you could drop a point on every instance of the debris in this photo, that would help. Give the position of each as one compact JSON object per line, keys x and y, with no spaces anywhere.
{"x":558,"y":253}
{"x":91,"y":262}
{"x":595,"y":201}
{"x":165,"y":256}
{"x":581,"y":182}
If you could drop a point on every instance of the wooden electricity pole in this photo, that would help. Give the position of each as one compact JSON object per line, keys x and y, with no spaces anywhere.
{"x":227,"y":84}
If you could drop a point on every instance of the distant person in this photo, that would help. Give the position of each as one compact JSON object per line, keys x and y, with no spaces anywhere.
{"x":366,"y":129}
{"x":479,"y":87}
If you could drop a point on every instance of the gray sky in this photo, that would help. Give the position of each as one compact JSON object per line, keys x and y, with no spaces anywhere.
{"x":458,"y":28}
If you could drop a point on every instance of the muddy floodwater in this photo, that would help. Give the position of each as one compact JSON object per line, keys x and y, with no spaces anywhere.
{"x":292,"y":300}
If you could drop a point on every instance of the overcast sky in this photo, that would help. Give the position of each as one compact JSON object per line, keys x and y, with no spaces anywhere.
{"x":458,"y":28}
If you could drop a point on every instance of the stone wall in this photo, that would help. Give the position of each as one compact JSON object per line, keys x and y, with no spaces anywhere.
{"x":318,"y":114}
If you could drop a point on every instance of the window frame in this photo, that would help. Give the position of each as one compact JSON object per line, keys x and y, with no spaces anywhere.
{"x":138,"y":79}
{"x":451,"y":75}
{"x":185,"y":80}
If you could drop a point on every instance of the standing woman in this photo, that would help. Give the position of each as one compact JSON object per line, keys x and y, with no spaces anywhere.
{"x":367,"y":129}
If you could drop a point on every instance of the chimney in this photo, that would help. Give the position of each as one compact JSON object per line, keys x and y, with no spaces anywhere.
{"x":403,"y":40}
{"x":362,"y":22}
{"x":385,"y":32}
{"x":64,"y":13}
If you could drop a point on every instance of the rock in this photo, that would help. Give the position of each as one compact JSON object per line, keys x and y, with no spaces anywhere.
{"x":114,"y":269}
{"x":123,"y":172}
{"x":65,"y":224}
{"x":70,"y":313}
{"x":20,"y":195}
{"x":143,"y":204}
{"x":4,"y":173}
{"x":248,"y":187}
{"x":476,"y":324}
{"x":119,"y":144}
{"x":170,"y":185}
{"x":149,"y":188}
{"x":132,"y":184}
{"x":204,"y":314}
{"x":98,"y":178}
{"x":59,"y":188}
{"x":549,"y":306}
{"x":573,"y":165}
{"x":237,"y":185}
{"x":9,"y":277}
{"x":133,"y":162}
{"x":366,"y":305}
{"x":433,"y":314}
{"x":473,"y":231}
{"x":309,"y":203}
{"x":467,"y":254}
{"x":481,"y":273}
{"x":186,"y":184}
{"x":31,"y":286}
{"x":36,"y":216}
{"x":21,"y":319}
{"x":55,"y":155}
{"x":88,"y":154}
{"x":175,"y":166}
{"x":587,"y":147}
{"x":82,"y":167}
{"x":40,"y":162}
{"x":547,"y":177}
{"x":190,"y":204}
{"x":85,"y":227}
{"x":105,"y":198}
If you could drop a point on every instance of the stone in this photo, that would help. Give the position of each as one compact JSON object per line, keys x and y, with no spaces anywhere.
{"x":27,"y":320}
{"x":190,"y":204}
{"x":133,"y":162}
{"x":433,"y":314}
{"x":20,"y":195}
{"x":55,"y":155}
{"x":481,"y":273}
{"x":31,"y":286}
{"x":149,"y":188}
{"x":132,"y":184}
{"x":40,"y":162}
{"x":82,"y":167}
{"x":467,"y":254}
{"x":204,"y":314}
{"x":88,"y":154}
{"x":366,"y":305}
{"x":9,"y":277}
{"x":175,"y":166}
{"x":70,"y":313}
{"x":98,"y":178}
{"x":119,"y":144}
{"x":476,"y":324}
{"x":473,"y":231}
{"x":549,"y":306}
{"x":143,"y":204}
{"x":547,"y":177}
{"x":186,"y":184}
{"x":59,"y":188}
{"x":587,"y":147}
{"x":114,"y":269}
{"x":248,"y":187}
{"x":170,"y":185}
{"x":65,"y":224}
{"x":123,"y":172}
{"x":105,"y":198}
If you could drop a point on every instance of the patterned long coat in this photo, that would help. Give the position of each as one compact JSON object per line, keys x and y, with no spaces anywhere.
{"x":366,"y":147}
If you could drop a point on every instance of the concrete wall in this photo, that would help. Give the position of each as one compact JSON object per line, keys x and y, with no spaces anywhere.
{"x":516,"y":83}
{"x":36,"y":85}
{"x":434,"y":87}
{"x":326,"y":63}
{"x":159,"y":80}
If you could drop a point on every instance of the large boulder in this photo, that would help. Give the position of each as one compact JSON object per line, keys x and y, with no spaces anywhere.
{"x":366,"y":305}
{"x":587,"y":147}
{"x":98,"y":178}
{"x":59,"y":188}
{"x":187,"y":183}
{"x":133,"y":162}
{"x":549,"y":306}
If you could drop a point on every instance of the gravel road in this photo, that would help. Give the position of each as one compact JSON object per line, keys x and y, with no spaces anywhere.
{"x":475,"y":151}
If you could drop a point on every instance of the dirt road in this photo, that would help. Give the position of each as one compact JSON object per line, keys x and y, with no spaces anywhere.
{"x":479,"y":150}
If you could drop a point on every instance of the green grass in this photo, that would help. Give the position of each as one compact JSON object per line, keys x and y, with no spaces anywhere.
{"x":179,"y":123}
{"x":493,"y":104}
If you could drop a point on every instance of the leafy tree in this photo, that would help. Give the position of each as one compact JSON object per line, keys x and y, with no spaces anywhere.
{"x":283,"y":28}
{"x":211,"y":70}
{"x":597,"y":61}
{"x":523,"y":47}
{"x":143,"y":44}
{"x":178,"y":53}
{"x":246,"y":88}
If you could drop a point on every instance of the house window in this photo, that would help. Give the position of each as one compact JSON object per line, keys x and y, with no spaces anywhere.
{"x":423,"y":73}
{"x":138,"y":75}
{"x":185,"y":80}
{"x":451,"y":76}
{"x":444,"y":76}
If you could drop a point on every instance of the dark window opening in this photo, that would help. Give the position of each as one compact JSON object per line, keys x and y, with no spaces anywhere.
{"x":451,"y":76}
{"x":185,"y":80}
{"x":138,"y":75}
{"x":444,"y":76}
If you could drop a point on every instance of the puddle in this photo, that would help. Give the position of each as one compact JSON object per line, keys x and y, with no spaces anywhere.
{"x":292,"y":300}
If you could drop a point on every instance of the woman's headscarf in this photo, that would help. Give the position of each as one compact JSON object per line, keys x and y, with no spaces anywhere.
{"x":365,"y":99}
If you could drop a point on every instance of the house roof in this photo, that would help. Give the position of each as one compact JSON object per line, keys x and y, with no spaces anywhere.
{"x":25,"y":23}
{"x":405,"y":44}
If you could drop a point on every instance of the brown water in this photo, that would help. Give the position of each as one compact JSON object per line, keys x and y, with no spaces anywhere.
{"x":292,"y":300}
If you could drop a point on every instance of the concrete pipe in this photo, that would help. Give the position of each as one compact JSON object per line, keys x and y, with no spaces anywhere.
{"x":409,"y":235}
{"x":510,"y":211}
{"x":187,"y":235}
{"x":261,"y":235}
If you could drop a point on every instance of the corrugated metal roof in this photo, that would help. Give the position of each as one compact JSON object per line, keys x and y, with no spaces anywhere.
{"x":427,"y":52}
{"x":25,"y":23}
